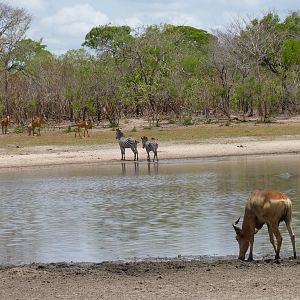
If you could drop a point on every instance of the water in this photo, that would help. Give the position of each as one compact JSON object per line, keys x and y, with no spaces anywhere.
{"x":135,"y":210}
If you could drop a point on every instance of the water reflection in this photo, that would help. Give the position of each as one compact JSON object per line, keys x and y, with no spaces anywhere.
{"x":136,"y":209}
{"x":136,"y":168}
{"x":152,"y":168}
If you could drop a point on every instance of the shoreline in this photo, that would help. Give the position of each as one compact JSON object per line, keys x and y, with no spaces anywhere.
{"x":37,"y":156}
{"x":166,"y":279}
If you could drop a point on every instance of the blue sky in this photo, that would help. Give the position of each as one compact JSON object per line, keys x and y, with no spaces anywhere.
{"x":63,"y":24}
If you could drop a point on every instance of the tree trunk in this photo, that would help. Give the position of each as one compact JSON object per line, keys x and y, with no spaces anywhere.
{"x":285,"y":96}
{"x":6,"y":96}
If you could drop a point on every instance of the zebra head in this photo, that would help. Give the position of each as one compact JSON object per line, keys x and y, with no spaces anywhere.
{"x":144,"y":140}
{"x":119,"y":133}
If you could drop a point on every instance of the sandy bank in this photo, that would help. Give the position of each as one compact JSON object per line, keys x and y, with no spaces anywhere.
{"x":14,"y":156}
{"x":174,"y":279}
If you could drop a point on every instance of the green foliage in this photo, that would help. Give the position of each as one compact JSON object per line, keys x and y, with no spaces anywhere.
{"x":190,"y":63}
{"x":69,"y":129}
{"x":217,"y":90}
{"x":25,"y":51}
{"x":292,"y":23}
{"x":228,"y":123}
{"x":172,"y":121}
{"x":76,"y":106}
{"x":32,"y":106}
{"x":270,"y":21}
{"x":291,"y":52}
{"x":191,"y":35}
{"x":20,"y":129}
{"x":107,"y":37}
{"x":187,"y":120}
{"x":267,"y":120}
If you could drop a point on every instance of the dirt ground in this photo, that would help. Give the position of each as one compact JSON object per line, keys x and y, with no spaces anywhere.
{"x":173,"y":279}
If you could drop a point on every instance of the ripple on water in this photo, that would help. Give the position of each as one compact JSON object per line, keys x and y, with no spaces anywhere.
{"x":96,"y":213}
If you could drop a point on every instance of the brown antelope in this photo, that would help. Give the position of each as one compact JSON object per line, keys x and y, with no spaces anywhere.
{"x":86,"y":124}
{"x":264,"y":207}
{"x":36,"y":123}
{"x":4,"y":124}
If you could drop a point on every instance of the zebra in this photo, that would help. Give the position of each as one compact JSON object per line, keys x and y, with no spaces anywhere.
{"x":150,"y":146}
{"x":125,"y":142}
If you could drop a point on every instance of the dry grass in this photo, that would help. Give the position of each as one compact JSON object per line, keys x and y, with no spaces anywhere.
{"x":190,"y":133}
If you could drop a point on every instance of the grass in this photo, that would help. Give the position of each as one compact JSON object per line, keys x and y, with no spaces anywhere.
{"x":190,"y":133}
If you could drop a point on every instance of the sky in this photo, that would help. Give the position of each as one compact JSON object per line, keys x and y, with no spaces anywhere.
{"x":63,"y":24}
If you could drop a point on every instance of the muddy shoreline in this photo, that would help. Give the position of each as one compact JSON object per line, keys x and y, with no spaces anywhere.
{"x":215,"y":278}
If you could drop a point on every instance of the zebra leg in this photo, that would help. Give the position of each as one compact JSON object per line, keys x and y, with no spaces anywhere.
{"x":123,"y":153}
{"x":136,"y":155}
{"x":148,"y":155}
{"x":135,"y":152}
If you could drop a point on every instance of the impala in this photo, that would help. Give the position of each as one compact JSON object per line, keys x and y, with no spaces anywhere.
{"x":4,"y":124}
{"x":264,"y":207}
{"x":88,"y":124}
{"x":36,"y":123}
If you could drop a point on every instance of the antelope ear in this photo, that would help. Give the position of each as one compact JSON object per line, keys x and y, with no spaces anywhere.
{"x":237,"y":229}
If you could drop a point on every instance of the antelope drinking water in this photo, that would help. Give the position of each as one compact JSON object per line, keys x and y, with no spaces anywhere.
{"x":264,"y":207}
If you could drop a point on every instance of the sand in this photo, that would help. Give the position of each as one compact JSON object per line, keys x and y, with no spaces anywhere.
{"x":15,"y":156}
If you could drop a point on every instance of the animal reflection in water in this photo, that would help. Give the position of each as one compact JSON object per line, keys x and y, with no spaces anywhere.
{"x":151,"y":168}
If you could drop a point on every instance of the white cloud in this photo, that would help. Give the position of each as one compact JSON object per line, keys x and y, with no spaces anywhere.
{"x":81,"y":13}
{"x":133,"y":22}
{"x":32,"y":6}
{"x":67,"y":28}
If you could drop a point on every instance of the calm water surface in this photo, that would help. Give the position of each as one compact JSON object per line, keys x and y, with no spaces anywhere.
{"x":123,"y":211}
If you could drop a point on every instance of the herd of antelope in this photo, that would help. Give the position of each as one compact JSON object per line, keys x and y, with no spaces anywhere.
{"x":34,"y":126}
{"x":263,"y":206}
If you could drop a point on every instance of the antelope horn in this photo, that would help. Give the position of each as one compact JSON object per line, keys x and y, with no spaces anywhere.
{"x":236,"y":222}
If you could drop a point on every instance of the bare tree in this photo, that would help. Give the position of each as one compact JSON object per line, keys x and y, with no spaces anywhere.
{"x":14,"y":23}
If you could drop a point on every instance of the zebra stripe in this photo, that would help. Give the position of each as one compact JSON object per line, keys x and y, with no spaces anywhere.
{"x":150,"y":146}
{"x":127,"y":142}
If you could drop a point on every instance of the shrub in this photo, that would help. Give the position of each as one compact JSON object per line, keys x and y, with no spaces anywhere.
{"x":187,"y":120}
